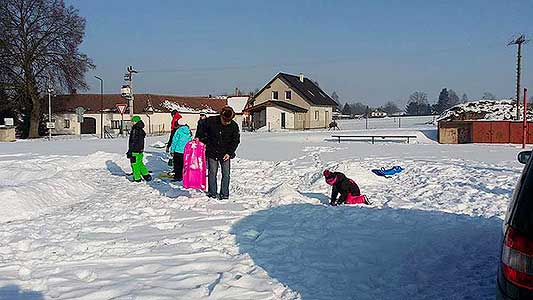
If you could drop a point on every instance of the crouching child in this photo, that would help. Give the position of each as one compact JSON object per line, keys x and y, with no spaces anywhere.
{"x":345,"y":187}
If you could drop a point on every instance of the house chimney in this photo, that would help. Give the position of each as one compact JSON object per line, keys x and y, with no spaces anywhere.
{"x":302,"y":77}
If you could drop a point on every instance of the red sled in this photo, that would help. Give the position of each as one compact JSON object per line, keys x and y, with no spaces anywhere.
{"x":361,"y":199}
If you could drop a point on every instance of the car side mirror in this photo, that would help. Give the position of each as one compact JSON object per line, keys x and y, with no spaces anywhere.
{"x":524,"y":156}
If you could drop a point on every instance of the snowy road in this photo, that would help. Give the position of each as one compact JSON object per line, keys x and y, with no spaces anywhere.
{"x":74,"y":227}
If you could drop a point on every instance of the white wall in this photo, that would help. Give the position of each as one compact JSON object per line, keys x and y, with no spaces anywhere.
{"x":157,"y":123}
{"x":324,"y":117}
{"x":273,"y":116}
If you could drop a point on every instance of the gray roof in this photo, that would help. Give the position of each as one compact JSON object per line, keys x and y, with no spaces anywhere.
{"x":308,"y":89}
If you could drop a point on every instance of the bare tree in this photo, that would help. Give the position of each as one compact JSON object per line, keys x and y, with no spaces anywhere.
{"x":390,"y":108}
{"x":418,"y":104}
{"x":488,"y":96}
{"x":39,"y":42}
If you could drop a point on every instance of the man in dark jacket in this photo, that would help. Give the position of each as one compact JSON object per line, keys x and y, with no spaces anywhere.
{"x":221,"y":136}
{"x":340,"y":185}
{"x":136,"y":149}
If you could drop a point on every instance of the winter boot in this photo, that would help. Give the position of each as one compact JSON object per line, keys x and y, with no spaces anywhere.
{"x":147,"y":177}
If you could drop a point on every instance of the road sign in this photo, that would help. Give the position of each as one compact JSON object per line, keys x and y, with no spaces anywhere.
{"x":79,"y":112}
{"x":121,"y":107}
{"x":50,"y":125}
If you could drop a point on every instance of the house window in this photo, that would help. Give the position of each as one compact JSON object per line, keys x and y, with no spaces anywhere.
{"x":66,"y":124}
{"x":300,"y":117}
{"x":317,"y":115}
{"x":115,"y":124}
{"x":275,"y":95}
{"x":288,"y":95}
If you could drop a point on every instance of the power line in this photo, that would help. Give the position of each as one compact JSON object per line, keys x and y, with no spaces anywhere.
{"x":301,"y":63}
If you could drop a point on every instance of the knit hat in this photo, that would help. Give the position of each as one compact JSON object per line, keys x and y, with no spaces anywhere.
{"x":330,"y":177}
{"x":135,"y":119}
{"x":227,"y":113}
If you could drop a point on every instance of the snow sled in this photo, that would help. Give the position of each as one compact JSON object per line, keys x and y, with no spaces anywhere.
{"x":194,"y":167}
{"x":166,"y":175}
{"x":387,"y":172}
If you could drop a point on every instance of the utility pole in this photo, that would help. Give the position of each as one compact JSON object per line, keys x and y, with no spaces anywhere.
{"x":521,"y":39}
{"x":128,"y":77}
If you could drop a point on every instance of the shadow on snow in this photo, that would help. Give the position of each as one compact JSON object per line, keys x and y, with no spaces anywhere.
{"x":365,"y":253}
{"x":13,"y":292}
{"x":156,"y":163}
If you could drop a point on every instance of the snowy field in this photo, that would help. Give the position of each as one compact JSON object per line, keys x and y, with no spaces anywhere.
{"x":72,"y":226}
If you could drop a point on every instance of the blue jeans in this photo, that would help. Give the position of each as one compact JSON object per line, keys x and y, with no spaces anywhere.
{"x":212,"y":165}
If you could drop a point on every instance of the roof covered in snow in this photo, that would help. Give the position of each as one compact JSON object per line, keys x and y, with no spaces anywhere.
{"x":143,"y":103}
{"x":495,"y":110}
{"x":238,"y":103}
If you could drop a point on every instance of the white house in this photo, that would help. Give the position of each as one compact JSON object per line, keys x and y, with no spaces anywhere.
{"x":291,"y":102}
{"x":154,"y":110}
{"x":238,"y":103}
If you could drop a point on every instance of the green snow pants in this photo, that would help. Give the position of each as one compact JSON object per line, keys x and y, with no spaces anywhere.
{"x":137,"y":165}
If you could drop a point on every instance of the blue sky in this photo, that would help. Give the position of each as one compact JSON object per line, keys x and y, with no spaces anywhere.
{"x":368,"y":51}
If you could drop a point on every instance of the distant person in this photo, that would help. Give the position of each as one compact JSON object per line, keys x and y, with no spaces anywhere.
{"x":173,"y":126}
{"x":345,"y":187}
{"x":221,"y":136}
{"x":182,"y":136}
{"x":333,"y":125}
{"x":136,"y":149}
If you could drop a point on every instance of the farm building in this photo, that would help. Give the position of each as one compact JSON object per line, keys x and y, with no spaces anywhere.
{"x":485,"y":121}
{"x":154,"y":110}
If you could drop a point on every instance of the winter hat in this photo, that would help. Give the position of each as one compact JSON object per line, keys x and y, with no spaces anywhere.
{"x":330,"y":177}
{"x":135,"y":119}
{"x":227,"y":113}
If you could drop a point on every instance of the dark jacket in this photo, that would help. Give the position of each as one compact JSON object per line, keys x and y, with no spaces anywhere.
{"x":136,"y":141}
{"x":219,"y":139}
{"x":343,"y":186}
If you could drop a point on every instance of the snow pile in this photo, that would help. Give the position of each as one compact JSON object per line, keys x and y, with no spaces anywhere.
{"x":495,"y":110}
{"x":186,"y":109}
{"x":31,"y":187}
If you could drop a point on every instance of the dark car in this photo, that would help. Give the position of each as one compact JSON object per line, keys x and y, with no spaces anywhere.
{"x":515,"y":271}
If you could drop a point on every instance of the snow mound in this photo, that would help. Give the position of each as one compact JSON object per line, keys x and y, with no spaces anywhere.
{"x":494,"y":110}
{"x":286,"y":194}
{"x":31,"y":187}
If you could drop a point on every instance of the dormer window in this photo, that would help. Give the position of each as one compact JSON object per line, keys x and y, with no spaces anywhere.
{"x":288,"y":95}
{"x":275,"y":95}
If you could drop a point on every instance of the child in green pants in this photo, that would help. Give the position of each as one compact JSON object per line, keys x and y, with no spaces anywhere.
{"x":135,"y":150}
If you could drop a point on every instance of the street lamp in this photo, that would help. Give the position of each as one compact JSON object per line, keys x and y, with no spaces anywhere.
{"x":50,"y":91}
{"x":101,"y":106}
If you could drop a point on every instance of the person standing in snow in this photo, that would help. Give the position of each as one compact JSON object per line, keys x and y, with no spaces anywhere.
{"x":346,"y":187}
{"x":181,"y":137}
{"x":173,"y":126}
{"x":136,"y":149}
{"x":221,"y":136}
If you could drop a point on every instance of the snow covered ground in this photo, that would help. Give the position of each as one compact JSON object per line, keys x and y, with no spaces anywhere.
{"x":72,"y":226}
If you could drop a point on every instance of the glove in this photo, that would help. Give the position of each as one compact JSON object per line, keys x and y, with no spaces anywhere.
{"x":129,"y":155}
